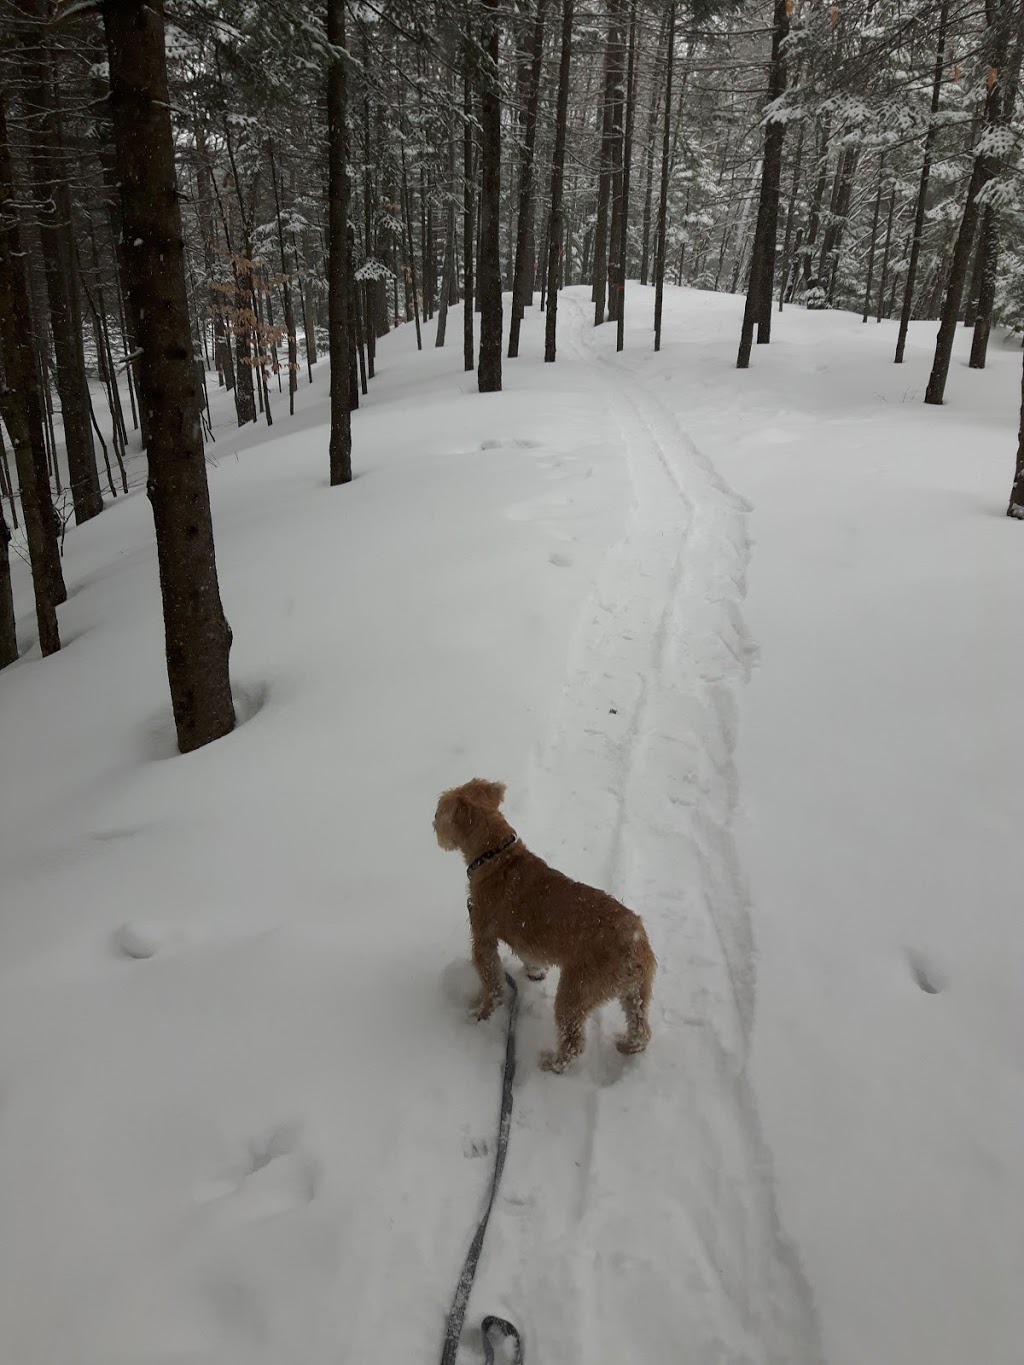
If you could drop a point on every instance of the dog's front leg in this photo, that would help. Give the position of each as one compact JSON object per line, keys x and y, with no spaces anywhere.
{"x":488,"y":969}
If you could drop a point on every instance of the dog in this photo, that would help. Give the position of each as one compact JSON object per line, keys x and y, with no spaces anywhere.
{"x":547,"y":920}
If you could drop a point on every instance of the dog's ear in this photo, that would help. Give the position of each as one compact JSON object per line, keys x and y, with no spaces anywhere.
{"x":487,"y":794}
{"x":462,"y":816}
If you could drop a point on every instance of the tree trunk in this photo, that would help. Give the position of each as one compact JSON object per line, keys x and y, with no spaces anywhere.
{"x":8,"y":623}
{"x":885,"y":254}
{"x":468,"y":227}
{"x":666,"y":150}
{"x":922,"y":189}
{"x":987,"y":289}
{"x":1015,"y":508}
{"x":338,"y":266}
{"x":627,"y":161}
{"x":489,"y":368}
{"x":604,"y":184}
{"x":556,"y":220}
{"x":874,"y":239}
{"x":760,"y":288}
{"x":794,"y":190}
{"x":22,"y":410}
{"x":197,"y":635}
{"x":522,"y":280}
{"x":289,"y":310}
{"x":45,"y":160}
{"x":617,"y":164}
{"x":652,"y":135}
{"x":983,"y":171}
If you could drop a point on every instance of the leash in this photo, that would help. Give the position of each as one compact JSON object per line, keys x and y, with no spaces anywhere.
{"x":491,"y":1326}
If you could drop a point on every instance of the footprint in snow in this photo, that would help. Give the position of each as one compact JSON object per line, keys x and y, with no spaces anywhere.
{"x":509,"y":443}
{"x":141,"y":939}
{"x":927,"y":975}
{"x":560,"y":561}
{"x":275,"y":1175}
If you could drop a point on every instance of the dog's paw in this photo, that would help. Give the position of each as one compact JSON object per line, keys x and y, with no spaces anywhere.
{"x":551,"y":1061}
{"x":628,"y":1045}
{"x":536,"y":973}
{"x":484,"y":1007}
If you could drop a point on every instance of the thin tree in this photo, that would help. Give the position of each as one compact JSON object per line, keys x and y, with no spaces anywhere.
{"x":45,"y":160}
{"x":922,"y":189}
{"x":620,"y":313}
{"x":666,"y":152}
{"x":982,"y":171}
{"x":1015,"y":508}
{"x":468,"y":226}
{"x":522,"y":280}
{"x":760,"y":287}
{"x":489,"y":367}
{"x":22,"y":410}
{"x":338,"y":295}
{"x":8,"y":624}
{"x":196,"y":632}
{"x":556,"y":221}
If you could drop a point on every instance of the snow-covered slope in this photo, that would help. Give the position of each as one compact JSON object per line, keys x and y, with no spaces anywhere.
{"x":243,"y":1117}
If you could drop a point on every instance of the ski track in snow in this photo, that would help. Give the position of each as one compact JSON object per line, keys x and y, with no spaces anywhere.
{"x":637,"y":1213}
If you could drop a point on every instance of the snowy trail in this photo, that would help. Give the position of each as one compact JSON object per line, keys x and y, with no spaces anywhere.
{"x":638,"y":1209}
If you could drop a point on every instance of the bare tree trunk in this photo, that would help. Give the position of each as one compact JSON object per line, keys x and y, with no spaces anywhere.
{"x":557,"y":219}
{"x":989,"y":248}
{"x":760,"y":288}
{"x":338,"y":265}
{"x":489,"y":368}
{"x":1015,"y":508}
{"x":627,"y":161}
{"x":666,"y":151}
{"x":652,"y":131}
{"x":874,"y":238}
{"x":604,"y":185}
{"x":522,"y":280}
{"x":8,"y":623}
{"x":922,"y":190}
{"x":982,"y":172}
{"x":794,"y":190}
{"x":289,"y":311}
{"x":468,"y":227}
{"x":197,"y":635}
{"x":617,"y":166}
{"x":49,"y":178}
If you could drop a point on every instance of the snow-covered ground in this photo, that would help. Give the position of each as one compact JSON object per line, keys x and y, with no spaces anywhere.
{"x":745,"y":648}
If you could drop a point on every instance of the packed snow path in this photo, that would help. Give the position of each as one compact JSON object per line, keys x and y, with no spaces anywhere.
{"x":638,"y":1216}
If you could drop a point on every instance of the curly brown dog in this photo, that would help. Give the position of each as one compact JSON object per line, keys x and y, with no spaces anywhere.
{"x":547,"y":920}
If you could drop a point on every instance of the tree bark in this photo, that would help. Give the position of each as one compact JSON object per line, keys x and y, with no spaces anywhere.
{"x":8,"y":623}
{"x":666,"y":150}
{"x":49,"y":179}
{"x":989,"y":248}
{"x":617,"y":167}
{"x":468,"y":226}
{"x":1015,"y":507}
{"x":22,"y":410}
{"x":196,"y":632}
{"x":338,"y":265}
{"x":627,"y":161}
{"x":876,"y":214}
{"x":604,"y":184}
{"x":760,"y":288}
{"x":522,"y":280}
{"x":556,"y":220}
{"x":981,"y":173}
{"x":489,"y":367}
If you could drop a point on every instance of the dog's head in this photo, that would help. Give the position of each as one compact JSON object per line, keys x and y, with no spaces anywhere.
{"x":462,"y":811}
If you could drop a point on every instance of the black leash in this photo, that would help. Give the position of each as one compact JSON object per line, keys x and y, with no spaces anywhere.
{"x":491,"y":1326}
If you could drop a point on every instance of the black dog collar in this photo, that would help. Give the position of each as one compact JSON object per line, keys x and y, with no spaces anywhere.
{"x":491,"y":853}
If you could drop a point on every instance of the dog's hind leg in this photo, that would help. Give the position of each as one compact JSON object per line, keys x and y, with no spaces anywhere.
{"x":635,"y":1000}
{"x":573,"y":1002}
{"x":488,"y":969}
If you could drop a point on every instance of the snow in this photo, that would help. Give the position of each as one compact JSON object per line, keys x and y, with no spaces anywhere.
{"x":743,"y":647}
